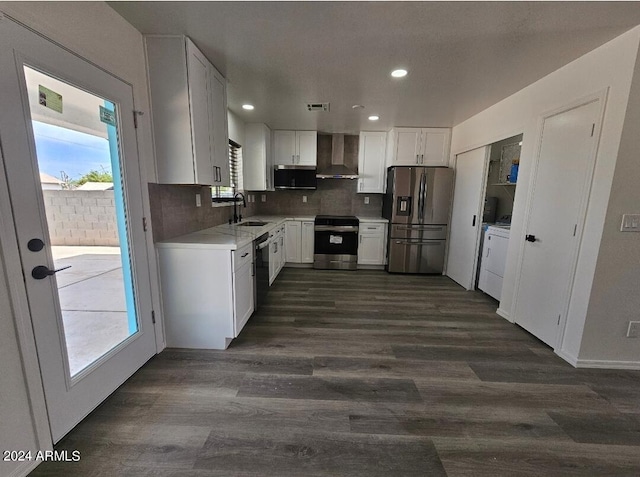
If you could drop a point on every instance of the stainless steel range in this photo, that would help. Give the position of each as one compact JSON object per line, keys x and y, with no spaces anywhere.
{"x":336,"y":242}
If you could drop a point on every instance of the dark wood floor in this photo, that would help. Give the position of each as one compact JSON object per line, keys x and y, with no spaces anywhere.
{"x":365,"y":374}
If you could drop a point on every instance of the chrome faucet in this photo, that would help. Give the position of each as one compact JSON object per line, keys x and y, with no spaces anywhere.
{"x":237,"y":218}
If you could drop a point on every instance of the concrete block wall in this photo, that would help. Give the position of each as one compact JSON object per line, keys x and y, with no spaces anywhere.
{"x":81,"y":217}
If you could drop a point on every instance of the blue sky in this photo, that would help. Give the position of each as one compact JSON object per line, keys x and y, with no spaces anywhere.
{"x":75,"y":153}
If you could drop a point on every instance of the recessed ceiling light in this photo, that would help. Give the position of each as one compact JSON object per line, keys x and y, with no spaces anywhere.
{"x":399,"y":73}
{"x":357,"y":106}
{"x":374,"y":118}
{"x":248,"y":107}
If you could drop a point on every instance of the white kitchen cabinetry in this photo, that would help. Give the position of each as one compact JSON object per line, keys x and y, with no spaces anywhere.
{"x":307,"y":241}
{"x":371,"y":162}
{"x":189,"y":113}
{"x":299,"y":148}
{"x":207,"y":295}
{"x":372,"y":243}
{"x":256,"y":157}
{"x":220,"y":128}
{"x":277,"y":254}
{"x":293,"y":231}
{"x":299,"y":241}
{"x":419,"y":147}
{"x":494,"y":260}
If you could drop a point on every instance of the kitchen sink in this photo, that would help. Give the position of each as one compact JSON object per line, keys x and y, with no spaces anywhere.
{"x":252,"y":223}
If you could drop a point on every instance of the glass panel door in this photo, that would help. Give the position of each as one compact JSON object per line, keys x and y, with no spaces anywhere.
{"x":77,"y":149}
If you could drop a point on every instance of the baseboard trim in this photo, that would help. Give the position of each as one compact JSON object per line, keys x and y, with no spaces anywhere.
{"x":25,"y":468}
{"x":370,"y":267}
{"x":572,"y":360}
{"x":607,"y":364}
{"x":504,"y":314}
{"x":298,"y":265}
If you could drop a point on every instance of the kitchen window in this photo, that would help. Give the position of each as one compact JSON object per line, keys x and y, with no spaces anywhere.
{"x":225,"y":194}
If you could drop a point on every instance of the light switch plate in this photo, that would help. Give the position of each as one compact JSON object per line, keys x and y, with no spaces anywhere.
{"x":263,"y":197}
{"x":304,"y":199}
{"x":630,"y":223}
{"x":366,"y":200}
{"x":198,"y":200}
{"x":634,"y":329}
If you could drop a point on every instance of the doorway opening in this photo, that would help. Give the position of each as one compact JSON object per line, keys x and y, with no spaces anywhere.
{"x":502,"y":180}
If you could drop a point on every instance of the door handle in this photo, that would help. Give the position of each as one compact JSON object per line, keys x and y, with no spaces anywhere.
{"x":530,"y":238}
{"x":473,"y":224}
{"x":41,"y":271}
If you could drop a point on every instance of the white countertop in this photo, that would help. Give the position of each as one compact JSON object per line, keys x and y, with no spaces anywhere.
{"x":373,"y":220}
{"x":236,"y":236}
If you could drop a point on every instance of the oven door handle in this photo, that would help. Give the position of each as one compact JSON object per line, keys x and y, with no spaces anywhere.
{"x":429,"y":243}
{"x":331,"y":228}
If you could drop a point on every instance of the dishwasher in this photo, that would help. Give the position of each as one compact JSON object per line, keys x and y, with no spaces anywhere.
{"x":261,"y":275}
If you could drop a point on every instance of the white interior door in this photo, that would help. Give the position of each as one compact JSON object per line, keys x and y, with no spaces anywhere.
{"x":466,"y":216}
{"x":92,"y":322}
{"x":564,"y":166}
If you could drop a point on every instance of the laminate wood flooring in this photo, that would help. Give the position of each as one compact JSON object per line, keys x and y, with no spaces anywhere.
{"x":365,"y":374}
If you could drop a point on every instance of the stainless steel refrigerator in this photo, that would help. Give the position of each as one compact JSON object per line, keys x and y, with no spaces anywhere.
{"x":417,"y":204}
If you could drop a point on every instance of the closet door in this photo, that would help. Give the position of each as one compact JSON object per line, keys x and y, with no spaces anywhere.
{"x":466,"y":216}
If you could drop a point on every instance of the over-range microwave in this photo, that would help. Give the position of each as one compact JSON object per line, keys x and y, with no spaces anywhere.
{"x":294,"y":177}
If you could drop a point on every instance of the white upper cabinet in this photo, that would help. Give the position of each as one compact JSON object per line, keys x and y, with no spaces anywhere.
{"x":307,"y":148}
{"x":219,"y":128}
{"x":371,"y":162}
{"x":299,"y":148}
{"x":419,"y":147}
{"x":256,"y":157}
{"x":188,"y":105}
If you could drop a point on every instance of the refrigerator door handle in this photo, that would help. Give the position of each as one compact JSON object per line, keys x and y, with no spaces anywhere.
{"x":421,"y":198}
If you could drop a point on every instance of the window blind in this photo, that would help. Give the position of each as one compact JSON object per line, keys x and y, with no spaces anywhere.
{"x":235,"y":173}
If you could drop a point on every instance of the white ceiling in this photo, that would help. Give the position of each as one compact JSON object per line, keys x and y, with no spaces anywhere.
{"x":462,"y":56}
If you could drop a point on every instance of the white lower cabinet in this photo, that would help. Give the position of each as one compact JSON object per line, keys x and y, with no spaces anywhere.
{"x":372,"y":244}
{"x":207,"y":294}
{"x":277,"y":256}
{"x":307,"y":241}
{"x":294,"y":236}
{"x":299,"y":240}
{"x":243,"y":296}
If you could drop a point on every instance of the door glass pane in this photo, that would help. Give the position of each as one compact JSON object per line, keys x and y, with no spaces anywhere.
{"x":76,"y":140}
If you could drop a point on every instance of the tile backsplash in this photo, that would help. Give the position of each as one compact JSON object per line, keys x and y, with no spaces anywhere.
{"x":332,"y":197}
{"x":174,"y":211}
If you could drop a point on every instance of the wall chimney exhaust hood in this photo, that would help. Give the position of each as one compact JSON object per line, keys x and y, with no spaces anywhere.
{"x":337,"y":170}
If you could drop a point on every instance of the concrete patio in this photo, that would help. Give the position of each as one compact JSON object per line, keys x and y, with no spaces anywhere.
{"x":92,"y":300}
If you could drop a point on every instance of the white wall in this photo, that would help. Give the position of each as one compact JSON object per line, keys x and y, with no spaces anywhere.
{"x":92,"y":30}
{"x":236,"y":127}
{"x":615,"y":297}
{"x":609,"y":66}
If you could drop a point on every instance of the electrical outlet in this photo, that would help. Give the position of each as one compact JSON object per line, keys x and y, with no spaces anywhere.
{"x":366,"y":200}
{"x":630,"y":223}
{"x":252,"y":198}
{"x":634,"y":329}
{"x":304,"y":199}
{"x":198,"y":200}
{"x":263,"y":197}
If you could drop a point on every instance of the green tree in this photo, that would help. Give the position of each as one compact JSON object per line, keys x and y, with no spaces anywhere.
{"x":94,"y":176}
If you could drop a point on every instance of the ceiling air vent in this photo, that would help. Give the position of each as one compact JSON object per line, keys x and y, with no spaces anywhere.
{"x":318,"y":106}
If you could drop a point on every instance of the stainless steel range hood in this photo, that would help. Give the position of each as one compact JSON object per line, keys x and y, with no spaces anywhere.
{"x":337,"y":170}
